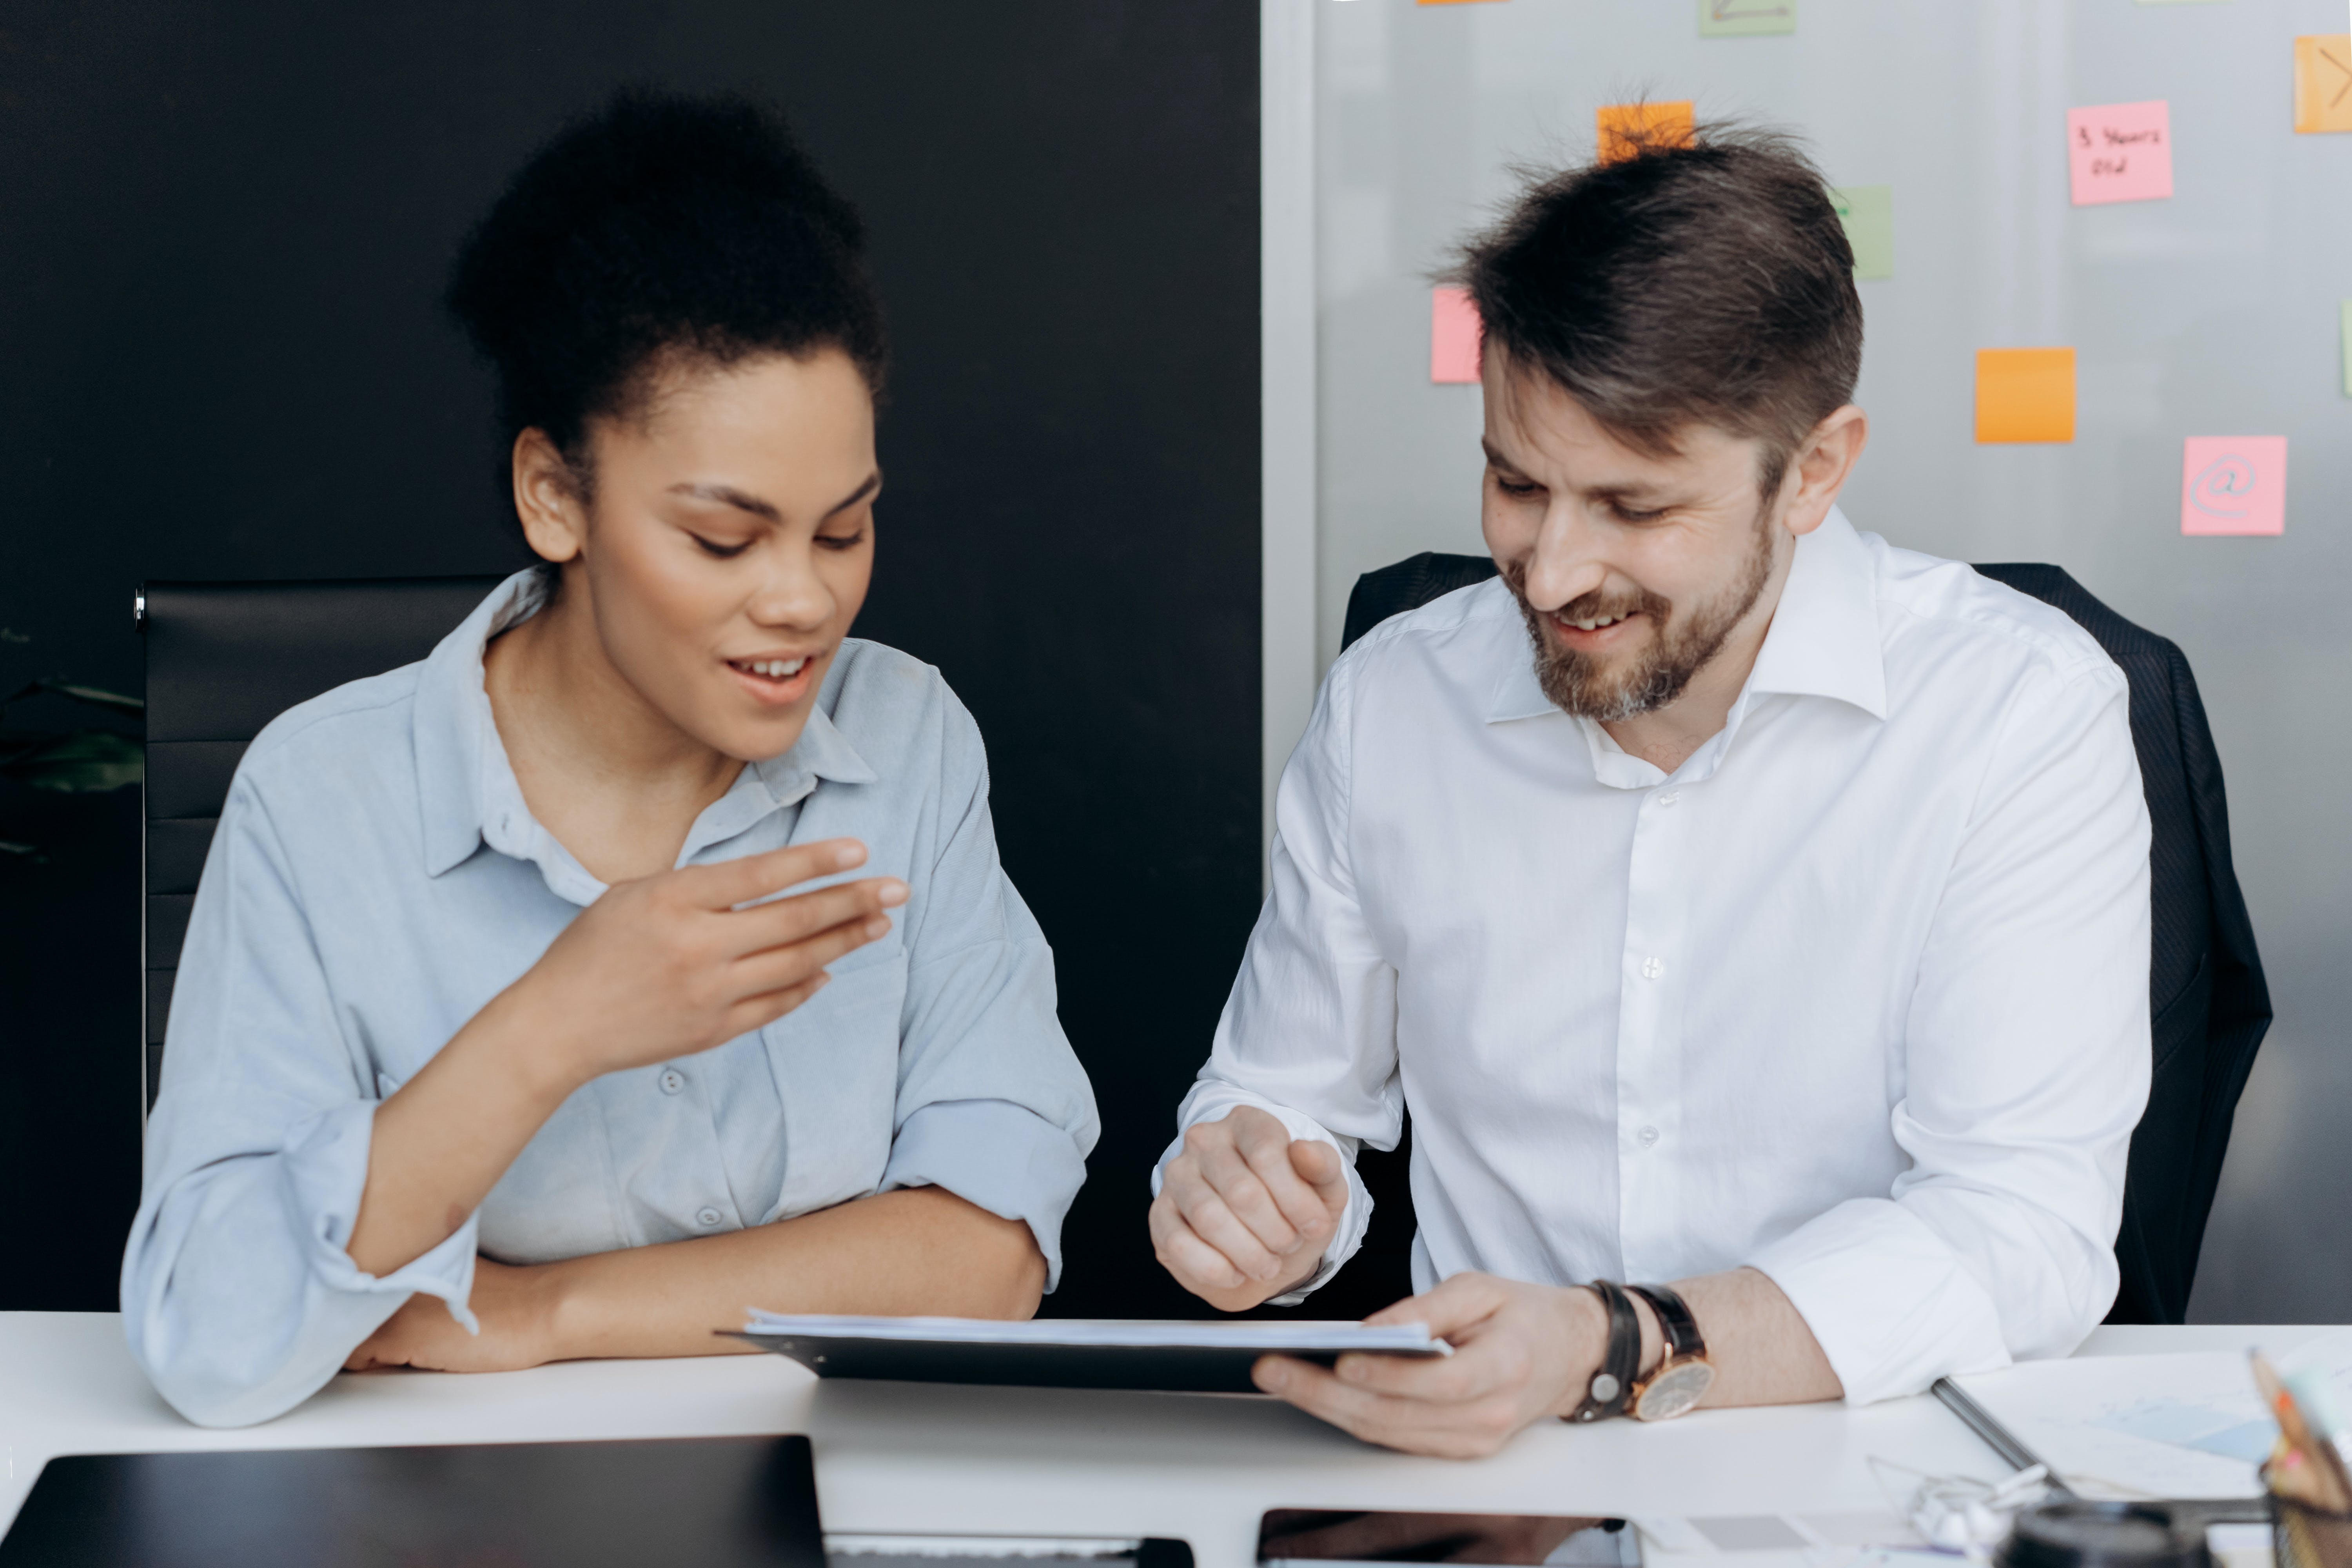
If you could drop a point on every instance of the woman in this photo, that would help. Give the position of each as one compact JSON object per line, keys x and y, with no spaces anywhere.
{"x":492,"y":1044}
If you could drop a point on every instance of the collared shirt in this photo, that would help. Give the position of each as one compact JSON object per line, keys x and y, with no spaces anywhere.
{"x":1856,"y":995}
{"x":376,"y":878}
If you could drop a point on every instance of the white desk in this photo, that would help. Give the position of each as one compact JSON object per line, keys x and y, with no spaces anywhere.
{"x":899,"y":1457}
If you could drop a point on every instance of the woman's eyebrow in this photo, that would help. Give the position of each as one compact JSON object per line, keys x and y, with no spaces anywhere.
{"x":873,"y":483}
{"x":727,"y":495}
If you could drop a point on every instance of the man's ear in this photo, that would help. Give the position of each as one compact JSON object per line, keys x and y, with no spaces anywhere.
{"x":1820,"y":468}
{"x":547,"y":498}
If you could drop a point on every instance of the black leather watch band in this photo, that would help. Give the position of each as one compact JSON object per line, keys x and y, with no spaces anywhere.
{"x":1675,"y":1320}
{"x":1612,"y":1384}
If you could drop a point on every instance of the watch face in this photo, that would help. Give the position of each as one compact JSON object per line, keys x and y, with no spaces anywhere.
{"x":1673,"y":1390}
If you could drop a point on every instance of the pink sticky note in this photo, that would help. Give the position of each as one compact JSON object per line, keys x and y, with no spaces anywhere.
{"x":2120,"y":152}
{"x":1454,"y":333}
{"x":2233,"y":484}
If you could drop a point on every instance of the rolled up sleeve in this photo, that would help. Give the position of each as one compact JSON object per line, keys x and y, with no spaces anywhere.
{"x":238,"y":1298}
{"x":991,"y":1104}
{"x":2026,"y":1069}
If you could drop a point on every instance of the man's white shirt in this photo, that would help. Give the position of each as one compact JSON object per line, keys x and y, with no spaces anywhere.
{"x":1856,"y":996}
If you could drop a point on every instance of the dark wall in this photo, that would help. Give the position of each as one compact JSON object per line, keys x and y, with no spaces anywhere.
{"x":221,"y":230}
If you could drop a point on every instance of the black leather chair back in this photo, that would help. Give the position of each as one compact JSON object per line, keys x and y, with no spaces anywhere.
{"x":2209,"y":1002}
{"x":223,"y":660}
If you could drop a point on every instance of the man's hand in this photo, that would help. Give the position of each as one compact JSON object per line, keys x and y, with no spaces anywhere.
{"x":514,"y":1306}
{"x":1521,"y":1352}
{"x":1244,"y":1213}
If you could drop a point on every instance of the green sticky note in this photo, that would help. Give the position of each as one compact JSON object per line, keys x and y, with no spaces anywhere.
{"x":1868,"y":213}
{"x":1745,"y":19}
{"x":2347,"y":348}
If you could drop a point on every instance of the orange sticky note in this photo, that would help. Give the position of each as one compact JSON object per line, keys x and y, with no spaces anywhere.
{"x":2025,"y":395}
{"x":1454,"y":333}
{"x":1623,"y":125}
{"x":2323,"y":82}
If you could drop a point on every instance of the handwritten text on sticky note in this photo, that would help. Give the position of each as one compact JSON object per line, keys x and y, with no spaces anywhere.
{"x":2120,"y":152}
{"x":2025,"y":395}
{"x":1626,"y":127}
{"x":1454,"y":333}
{"x":2323,"y":82}
{"x":2233,"y":484}
{"x":1868,"y":213}
{"x":1745,"y":19}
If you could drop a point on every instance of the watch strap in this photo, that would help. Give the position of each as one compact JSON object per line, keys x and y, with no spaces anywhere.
{"x":1612,"y":1383}
{"x":1674,"y":1320}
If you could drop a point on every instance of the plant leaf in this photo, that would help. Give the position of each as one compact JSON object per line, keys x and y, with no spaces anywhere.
{"x":85,"y":763}
{"x":96,"y":697}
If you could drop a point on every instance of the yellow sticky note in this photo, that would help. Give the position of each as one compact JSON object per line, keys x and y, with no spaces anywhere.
{"x":1624,"y":126}
{"x":2025,"y":395}
{"x":2323,"y":82}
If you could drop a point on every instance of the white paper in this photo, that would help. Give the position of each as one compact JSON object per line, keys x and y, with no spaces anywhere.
{"x":2186,"y":1426}
{"x":1278,"y":1335}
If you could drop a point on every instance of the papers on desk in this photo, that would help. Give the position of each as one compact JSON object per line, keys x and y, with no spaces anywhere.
{"x":2152,"y":1426}
{"x":1070,"y":1352}
{"x":1264,"y":1338}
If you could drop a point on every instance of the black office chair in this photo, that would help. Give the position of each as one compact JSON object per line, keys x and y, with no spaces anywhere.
{"x":2210,"y":1005}
{"x":223,"y":660}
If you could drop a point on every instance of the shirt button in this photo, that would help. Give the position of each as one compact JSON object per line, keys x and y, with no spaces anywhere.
{"x":1648,"y":1137}
{"x":1652,"y":967}
{"x":1669,"y":799}
{"x":672,"y":1081}
{"x":706,"y":1217}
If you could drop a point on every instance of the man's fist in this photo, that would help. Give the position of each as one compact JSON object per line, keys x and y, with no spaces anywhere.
{"x":1244,"y":1213}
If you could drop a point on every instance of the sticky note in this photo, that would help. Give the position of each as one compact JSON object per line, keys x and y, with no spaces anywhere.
{"x":1621,"y":125}
{"x":2025,"y":395}
{"x":1454,"y":333}
{"x":1868,"y":213}
{"x":2323,"y":82}
{"x":2120,"y":152}
{"x":2347,"y":348}
{"x":1745,"y":19}
{"x":2233,"y":484}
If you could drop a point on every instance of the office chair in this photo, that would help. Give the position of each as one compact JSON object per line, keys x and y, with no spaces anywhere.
{"x":223,"y":660}
{"x":2208,"y":1003}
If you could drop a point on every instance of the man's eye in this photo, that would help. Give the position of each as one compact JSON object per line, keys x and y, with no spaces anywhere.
{"x":1626,"y":514}
{"x":842,"y":541}
{"x":722,"y":551}
{"x":1516,"y":487}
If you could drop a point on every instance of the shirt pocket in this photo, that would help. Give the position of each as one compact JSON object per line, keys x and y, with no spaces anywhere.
{"x":836,"y":1061}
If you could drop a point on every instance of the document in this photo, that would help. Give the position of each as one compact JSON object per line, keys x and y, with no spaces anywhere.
{"x":2152,"y":1426}
{"x":1070,"y":1352}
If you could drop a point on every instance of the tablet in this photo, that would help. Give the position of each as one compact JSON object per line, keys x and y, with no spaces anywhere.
{"x":1325,"y":1538}
{"x":715,"y":1502}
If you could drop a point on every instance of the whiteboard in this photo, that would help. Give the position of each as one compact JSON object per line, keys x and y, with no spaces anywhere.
{"x":2218,"y":311}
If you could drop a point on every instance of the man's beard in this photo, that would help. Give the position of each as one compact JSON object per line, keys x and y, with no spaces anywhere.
{"x":1577,"y":684}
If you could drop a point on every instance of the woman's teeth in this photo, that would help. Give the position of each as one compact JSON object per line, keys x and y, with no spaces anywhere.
{"x":774,"y":668}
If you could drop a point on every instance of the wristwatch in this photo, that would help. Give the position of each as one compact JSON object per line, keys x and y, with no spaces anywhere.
{"x":1684,"y":1373}
{"x":1614,"y":1383}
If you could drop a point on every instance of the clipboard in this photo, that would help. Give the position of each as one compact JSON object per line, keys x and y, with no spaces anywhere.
{"x":1139,"y":1355}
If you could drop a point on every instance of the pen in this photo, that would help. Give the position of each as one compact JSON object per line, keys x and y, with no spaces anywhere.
{"x":1997,"y":1437}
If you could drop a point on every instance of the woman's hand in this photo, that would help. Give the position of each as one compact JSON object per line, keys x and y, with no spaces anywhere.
{"x":657,"y":968}
{"x":669,"y":964}
{"x":516,"y":1308}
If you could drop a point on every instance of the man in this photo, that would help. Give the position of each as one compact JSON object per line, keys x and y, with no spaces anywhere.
{"x":1780,"y":931}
